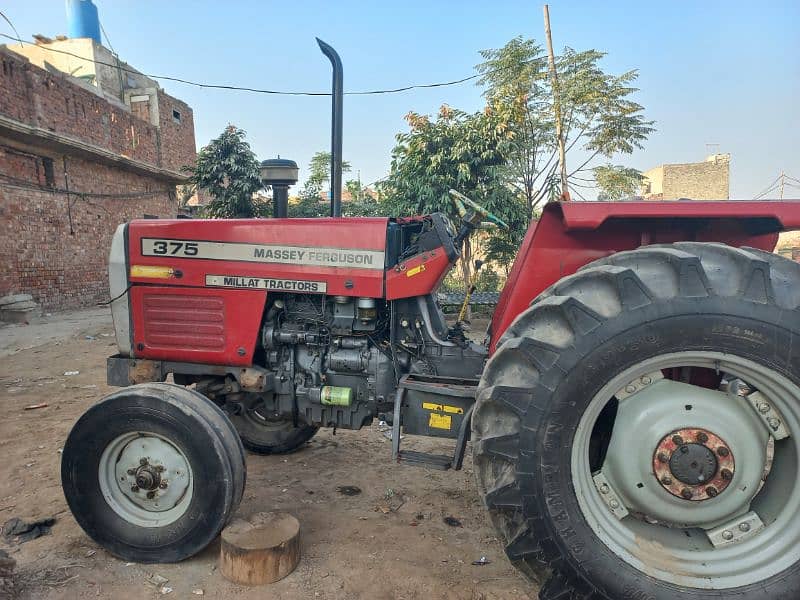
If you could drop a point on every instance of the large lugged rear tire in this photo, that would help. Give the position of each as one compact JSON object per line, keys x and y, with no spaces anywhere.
{"x":153,"y":472}
{"x":637,"y":432}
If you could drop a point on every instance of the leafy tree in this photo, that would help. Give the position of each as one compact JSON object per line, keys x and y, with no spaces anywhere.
{"x":456,"y":150}
{"x":599,"y":118}
{"x":617,"y":182}
{"x":311,"y":202}
{"x":319,"y":169}
{"x":228,"y":170}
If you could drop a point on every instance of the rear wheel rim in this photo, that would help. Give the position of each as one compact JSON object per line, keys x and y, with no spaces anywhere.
{"x":681,"y":554}
{"x":145,"y":479}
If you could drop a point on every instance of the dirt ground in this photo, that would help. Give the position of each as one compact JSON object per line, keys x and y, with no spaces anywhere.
{"x":390,"y":541}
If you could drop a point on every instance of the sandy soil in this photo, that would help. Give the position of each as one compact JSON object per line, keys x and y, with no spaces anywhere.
{"x":389,"y":541}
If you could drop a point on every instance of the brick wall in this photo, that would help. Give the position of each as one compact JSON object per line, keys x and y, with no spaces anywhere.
{"x":55,"y":245}
{"x":52,"y":101}
{"x":707,"y":180}
{"x":61,"y":266}
{"x":177,"y":138}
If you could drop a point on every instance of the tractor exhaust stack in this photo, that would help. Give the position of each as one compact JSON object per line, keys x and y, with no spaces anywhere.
{"x":337,"y":100}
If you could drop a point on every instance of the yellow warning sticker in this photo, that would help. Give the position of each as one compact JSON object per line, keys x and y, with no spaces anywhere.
{"x":415,"y":271}
{"x":454,"y":410}
{"x":440,"y":421}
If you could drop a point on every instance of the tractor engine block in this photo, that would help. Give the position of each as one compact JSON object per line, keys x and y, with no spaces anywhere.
{"x":332,"y":366}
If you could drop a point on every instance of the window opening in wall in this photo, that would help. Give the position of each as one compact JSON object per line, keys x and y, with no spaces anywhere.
{"x":49,"y":172}
{"x":176,"y":116}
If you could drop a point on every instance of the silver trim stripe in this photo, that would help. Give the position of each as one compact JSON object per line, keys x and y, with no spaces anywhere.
{"x":350,"y":258}
{"x":262,"y":283}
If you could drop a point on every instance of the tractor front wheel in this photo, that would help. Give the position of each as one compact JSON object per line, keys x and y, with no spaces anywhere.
{"x":153,"y":472}
{"x":637,"y":432}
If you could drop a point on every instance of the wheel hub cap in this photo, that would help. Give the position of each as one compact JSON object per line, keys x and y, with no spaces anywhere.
{"x":145,"y":479}
{"x":693,"y":464}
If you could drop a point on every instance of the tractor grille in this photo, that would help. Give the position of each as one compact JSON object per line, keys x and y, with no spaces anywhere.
{"x":182,"y":321}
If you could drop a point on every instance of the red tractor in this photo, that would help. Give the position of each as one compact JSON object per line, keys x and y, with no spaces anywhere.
{"x":634,"y":413}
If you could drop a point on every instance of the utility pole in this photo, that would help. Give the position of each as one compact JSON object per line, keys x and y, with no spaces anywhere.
{"x":562,"y":155}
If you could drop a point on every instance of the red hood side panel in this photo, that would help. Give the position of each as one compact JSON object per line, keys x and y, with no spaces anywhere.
{"x":345,"y":254}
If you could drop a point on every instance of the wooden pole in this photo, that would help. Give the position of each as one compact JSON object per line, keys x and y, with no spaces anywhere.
{"x":551,"y":59}
{"x":263,"y":549}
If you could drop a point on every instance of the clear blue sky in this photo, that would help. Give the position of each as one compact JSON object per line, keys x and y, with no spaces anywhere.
{"x":723,"y":72}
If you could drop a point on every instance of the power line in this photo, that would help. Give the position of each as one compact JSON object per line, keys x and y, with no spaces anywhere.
{"x":395,"y":90}
{"x":103,"y":29}
{"x":7,"y":20}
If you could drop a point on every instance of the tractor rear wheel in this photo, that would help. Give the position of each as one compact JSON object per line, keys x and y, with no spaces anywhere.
{"x":262,"y":433}
{"x":153,"y":472}
{"x":637,"y":432}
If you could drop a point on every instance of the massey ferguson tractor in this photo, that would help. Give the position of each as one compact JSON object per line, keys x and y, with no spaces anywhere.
{"x":634,"y":411}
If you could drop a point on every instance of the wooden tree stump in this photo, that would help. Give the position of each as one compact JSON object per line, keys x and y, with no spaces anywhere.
{"x":263,"y":549}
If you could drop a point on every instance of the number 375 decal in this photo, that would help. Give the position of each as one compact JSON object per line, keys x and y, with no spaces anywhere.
{"x":173,"y":247}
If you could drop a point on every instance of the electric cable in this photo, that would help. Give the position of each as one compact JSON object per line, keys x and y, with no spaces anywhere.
{"x":395,"y":90}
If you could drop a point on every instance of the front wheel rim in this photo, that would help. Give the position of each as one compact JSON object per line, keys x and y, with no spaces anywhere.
{"x":683,"y":553}
{"x":145,"y":479}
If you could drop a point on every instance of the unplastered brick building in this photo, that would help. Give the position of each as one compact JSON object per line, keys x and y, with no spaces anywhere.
{"x":86,"y":142}
{"x":707,"y":180}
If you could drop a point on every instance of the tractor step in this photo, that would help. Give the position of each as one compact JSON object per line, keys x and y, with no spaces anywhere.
{"x":433,"y":406}
{"x":439,"y":462}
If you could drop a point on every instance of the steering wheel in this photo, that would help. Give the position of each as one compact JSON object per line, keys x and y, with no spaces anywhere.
{"x":460,"y":200}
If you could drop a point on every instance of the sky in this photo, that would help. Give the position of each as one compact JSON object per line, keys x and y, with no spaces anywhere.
{"x":725,"y":73}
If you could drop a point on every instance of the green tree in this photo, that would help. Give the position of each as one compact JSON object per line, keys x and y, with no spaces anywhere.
{"x":228,"y":170}
{"x":456,"y":150}
{"x":616,"y":182}
{"x":599,"y":117}
{"x":319,"y":169}
{"x":311,"y":202}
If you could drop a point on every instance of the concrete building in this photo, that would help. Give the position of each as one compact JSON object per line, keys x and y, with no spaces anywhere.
{"x":707,"y":180}
{"x":84,"y":146}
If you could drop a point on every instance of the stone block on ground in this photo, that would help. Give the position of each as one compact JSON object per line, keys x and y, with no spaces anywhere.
{"x":14,"y":298}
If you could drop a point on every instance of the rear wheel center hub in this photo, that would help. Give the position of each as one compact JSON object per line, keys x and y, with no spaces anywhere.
{"x":147,"y":479}
{"x":693,"y":464}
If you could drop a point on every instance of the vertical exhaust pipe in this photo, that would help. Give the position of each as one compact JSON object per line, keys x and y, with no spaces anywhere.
{"x":337,"y":101}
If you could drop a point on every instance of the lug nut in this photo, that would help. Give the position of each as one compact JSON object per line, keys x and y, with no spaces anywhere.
{"x":711,"y":491}
{"x":662,"y":457}
{"x":744,"y":527}
{"x":666,"y":480}
{"x":723,"y":451}
{"x":763,"y":408}
{"x":702,"y":437}
{"x":143,"y":461}
{"x":134,"y":488}
{"x":131,"y":471}
{"x":163,"y":485}
{"x":726,"y":474}
{"x":151,"y":495}
{"x":630,"y":389}
{"x":727,"y":535}
{"x":646,"y":380}
{"x":686,"y":493}
{"x":773,"y":422}
{"x":614,"y":504}
{"x":160,"y":468}
{"x":677,"y":440}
